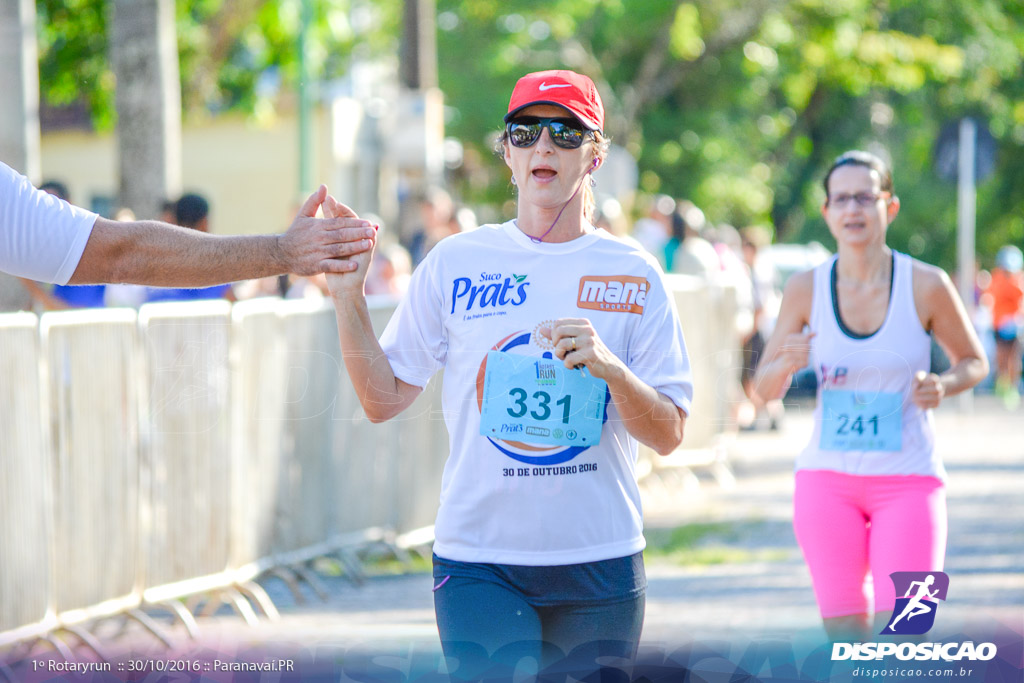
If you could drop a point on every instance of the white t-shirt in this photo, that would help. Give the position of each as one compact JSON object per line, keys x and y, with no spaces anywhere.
{"x":41,"y":236}
{"x":492,"y":288}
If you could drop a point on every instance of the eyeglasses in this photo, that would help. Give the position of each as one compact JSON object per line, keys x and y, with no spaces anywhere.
{"x":566,"y":133}
{"x":863,"y":199}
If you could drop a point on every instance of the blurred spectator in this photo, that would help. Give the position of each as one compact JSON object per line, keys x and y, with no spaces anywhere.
{"x":766,"y":297}
{"x":611,"y":218}
{"x":124,"y":215}
{"x":64,"y":296}
{"x":436,"y":212}
{"x":191,"y":211}
{"x":734,"y":271}
{"x":728,"y":245}
{"x":391,"y":266}
{"x":57,"y":189}
{"x":734,"y":276}
{"x":982,"y":319}
{"x":654,"y":230}
{"x":284,"y":286}
{"x":677,"y":233}
{"x":263,"y":287}
{"x":168,"y":211}
{"x":390,"y":270}
{"x":1005,"y":298}
{"x":314,"y":287}
{"x":463,"y":219}
{"x":14,"y":295}
{"x":695,"y":256}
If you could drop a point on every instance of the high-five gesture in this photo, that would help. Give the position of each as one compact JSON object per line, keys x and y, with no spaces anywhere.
{"x":317,"y":245}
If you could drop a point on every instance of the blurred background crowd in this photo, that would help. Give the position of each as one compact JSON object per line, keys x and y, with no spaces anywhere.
{"x":723,"y":117}
{"x":675,"y":231}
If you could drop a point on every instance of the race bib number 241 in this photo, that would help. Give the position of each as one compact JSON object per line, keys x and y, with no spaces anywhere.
{"x":853,"y":422}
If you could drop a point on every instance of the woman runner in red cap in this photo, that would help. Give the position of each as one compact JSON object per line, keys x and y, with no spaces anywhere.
{"x":561,"y":351}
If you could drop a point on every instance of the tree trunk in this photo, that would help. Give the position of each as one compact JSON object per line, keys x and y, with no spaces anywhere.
{"x":418,"y":52}
{"x":19,"y":114}
{"x":19,"y":87}
{"x":144,"y":55}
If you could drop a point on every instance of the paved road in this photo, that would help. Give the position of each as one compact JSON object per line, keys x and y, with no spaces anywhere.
{"x":763,"y":593}
{"x":984,"y":455}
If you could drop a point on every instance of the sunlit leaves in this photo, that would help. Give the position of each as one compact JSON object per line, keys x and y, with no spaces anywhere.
{"x":234,"y":54}
{"x":746,"y":103}
{"x":73,"y":62}
{"x":685,"y":40}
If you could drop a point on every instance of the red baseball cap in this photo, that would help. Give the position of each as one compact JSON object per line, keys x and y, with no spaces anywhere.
{"x":568,"y":89}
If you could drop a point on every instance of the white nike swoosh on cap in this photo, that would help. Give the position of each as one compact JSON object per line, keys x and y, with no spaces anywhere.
{"x":544,"y":86}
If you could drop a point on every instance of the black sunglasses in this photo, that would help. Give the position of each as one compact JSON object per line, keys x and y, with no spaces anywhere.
{"x":567,"y":133}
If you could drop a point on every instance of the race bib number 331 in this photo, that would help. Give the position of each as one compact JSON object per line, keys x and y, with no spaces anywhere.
{"x":539,"y":400}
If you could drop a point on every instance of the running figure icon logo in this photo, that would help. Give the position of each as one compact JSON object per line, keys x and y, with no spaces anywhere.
{"x":914,"y":613}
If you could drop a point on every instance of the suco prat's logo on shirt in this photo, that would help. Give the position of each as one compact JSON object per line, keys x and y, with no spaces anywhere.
{"x":527,"y":343}
{"x":490,"y":290}
{"x":613,"y":293}
{"x":914,"y":613}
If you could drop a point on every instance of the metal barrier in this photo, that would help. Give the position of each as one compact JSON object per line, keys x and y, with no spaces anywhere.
{"x":727,"y":359}
{"x":314,"y":380}
{"x":259,"y":408}
{"x":366,"y":458}
{"x":92,"y":380}
{"x":697,"y":317}
{"x":706,"y":314}
{"x":191,"y":448}
{"x":321,"y":468}
{"x":26,"y":499}
{"x":186,"y":425}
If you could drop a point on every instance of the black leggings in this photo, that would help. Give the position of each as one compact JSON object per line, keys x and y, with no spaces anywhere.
{"x":487,"y":629}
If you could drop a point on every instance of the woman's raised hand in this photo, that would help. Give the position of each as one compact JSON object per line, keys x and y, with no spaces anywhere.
{"x":351,"y":283}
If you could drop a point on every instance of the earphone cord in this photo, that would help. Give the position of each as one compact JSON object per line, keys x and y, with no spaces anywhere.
{"x":538,"y":240}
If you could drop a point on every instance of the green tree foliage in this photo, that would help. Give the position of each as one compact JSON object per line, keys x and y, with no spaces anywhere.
{"x":238,"y":54}
{"x":738,"y":105}
{"x":235,"y":55}
{"x":73,"y":64}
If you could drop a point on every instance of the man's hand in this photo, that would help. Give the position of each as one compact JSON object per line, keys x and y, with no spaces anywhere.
{"x":323,"y":245}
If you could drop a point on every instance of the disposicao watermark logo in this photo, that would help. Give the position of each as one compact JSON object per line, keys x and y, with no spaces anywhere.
{"x":914,"y":613}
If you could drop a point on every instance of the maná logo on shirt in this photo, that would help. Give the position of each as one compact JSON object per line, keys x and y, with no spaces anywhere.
{"x":613,"y":293}
{"x":491,"y":292}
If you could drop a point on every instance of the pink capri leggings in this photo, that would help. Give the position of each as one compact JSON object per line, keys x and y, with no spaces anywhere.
{"x":847,"y":525}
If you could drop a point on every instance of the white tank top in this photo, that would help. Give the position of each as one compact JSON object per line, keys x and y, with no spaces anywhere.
{"x":865,"y":422}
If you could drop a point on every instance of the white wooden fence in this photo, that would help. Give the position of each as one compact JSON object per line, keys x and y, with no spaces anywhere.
{"x":189,"y":448}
